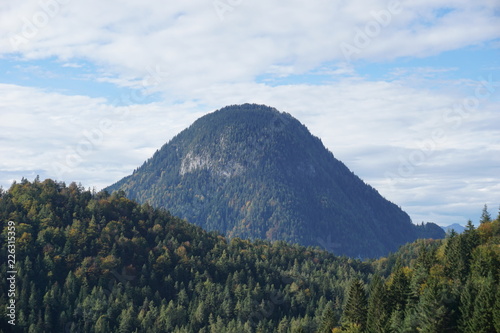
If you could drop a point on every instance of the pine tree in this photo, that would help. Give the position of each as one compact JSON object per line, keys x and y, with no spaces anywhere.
{"x":396,"y":322}
{"x":467,"y":298}
{"x":399,"y":289}
{"x":102,"y":325}
{"x":47,"y":319}
{"x":356,"y":306}
{"x":485,"y":215}
{"x":496,"y":310}
{"x":126,"y":319}
{"x":200,"y":313}
{"x":411,"y":319}
{"x":227,"y":307}
{"x":433,"y":313}
{"x":482,"y":317}
{"x":328,"y":319}
{"x":284,"y":325}
{"x":470,"y":240}
{"x":377,"y":316}
{"x":457,"y":257}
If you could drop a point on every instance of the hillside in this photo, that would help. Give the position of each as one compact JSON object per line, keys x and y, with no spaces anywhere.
{"x":91,"y":262}
{"x":253,"y":172}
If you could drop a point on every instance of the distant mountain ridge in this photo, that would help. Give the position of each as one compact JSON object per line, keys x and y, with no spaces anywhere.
{"x":455,"y":226}
{"x":251,"y":171}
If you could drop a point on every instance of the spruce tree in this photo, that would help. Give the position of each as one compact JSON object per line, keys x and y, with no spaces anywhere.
{"x":467,"y":299}
{"x":496,"y":310}
{"x":356,"y":306}
{"x":432,"y":311}
{"x":328,"y":319}
{"x":485,"y":215}
{"x":411,"y":319}
{"x":284,"y":325}
{"x":399,"y":289}
{"x":471,"y":240}
{"x":482,"y":317}
{"x":102,"y":325}
{"x":396,"y":322}
{"x":127,"y":320}
{"x":457,"y":257}
{"x":377,"y":316}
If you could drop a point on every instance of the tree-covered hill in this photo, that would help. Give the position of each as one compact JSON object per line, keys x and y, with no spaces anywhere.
{"x":94,"y":262}
{"x":253,"y":172}
{"x":449,"y":285}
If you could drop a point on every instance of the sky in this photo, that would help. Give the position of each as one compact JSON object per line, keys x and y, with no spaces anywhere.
{"x":405,"y":93}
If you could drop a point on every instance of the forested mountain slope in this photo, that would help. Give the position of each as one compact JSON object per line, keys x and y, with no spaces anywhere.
{"x":250,"y":171}
{"x":97,"y":263}
{"x":94,"y":262}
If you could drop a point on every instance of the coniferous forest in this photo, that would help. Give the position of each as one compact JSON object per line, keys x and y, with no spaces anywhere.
{"x":95,"y":262}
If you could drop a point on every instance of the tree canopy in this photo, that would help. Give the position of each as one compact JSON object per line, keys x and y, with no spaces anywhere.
{"x":95,"y":262}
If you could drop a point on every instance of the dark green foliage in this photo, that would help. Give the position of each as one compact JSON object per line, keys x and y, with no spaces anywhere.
{"x":485,"y":215}
{"x":496,"y":309}
{"x":328,"y":320}
{"x":467,"y":298}
{"x":250,"y":171}
{"x":94,"y":262}
{"x":378,"y":307}
{"x":102,"y":263}
{"x":446,"y":288}
{"x":429,"y":230}
{"x":434,"y":312}
{"x":470,"y":237}
{"x":355,"y":308}
{"x":458,"y":255}
{"x":482,"y":317}
{"x":399,"y":289}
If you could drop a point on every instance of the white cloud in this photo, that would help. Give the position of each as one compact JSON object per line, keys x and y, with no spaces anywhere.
{"x":79,"y":138}
{"x":198,"y":49}
{"x":375,"y":128}
{"x":72,"y":65}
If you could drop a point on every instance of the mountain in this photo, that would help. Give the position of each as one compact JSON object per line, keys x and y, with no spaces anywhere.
{"x":254,"y":172}
{"x":455,"y":226}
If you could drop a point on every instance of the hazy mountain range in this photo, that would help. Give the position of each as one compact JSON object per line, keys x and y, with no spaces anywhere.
{"x":455,"y":226}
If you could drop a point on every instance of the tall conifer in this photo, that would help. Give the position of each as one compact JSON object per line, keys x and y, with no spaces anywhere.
{"x":377,"y":316}
{"x":356,"y":305}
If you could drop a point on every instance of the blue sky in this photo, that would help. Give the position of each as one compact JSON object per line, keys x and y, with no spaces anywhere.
{"x":81,"y":77}
{"x":406,"y":94}
{"x":68,"y":78}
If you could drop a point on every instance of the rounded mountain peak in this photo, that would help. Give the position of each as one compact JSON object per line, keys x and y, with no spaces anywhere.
{"x":251,"y":171}
{"x":236,"y":120}
{"x":242,"y":138}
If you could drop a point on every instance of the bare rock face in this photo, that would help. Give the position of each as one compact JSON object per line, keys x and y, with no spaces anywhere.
{"x":193,"y":162}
